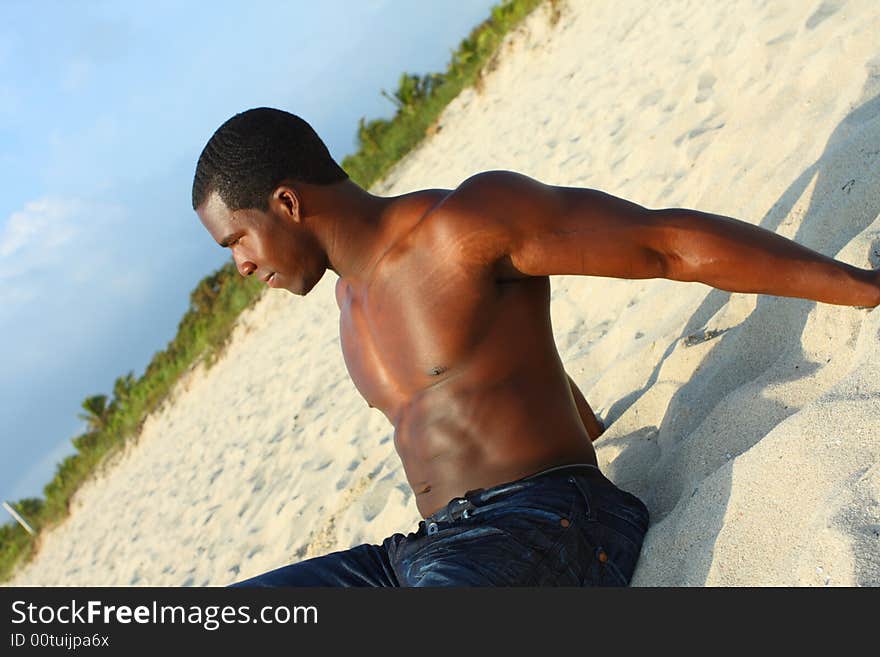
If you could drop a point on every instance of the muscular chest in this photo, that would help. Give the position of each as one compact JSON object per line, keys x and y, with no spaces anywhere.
{"x":411,"y":326}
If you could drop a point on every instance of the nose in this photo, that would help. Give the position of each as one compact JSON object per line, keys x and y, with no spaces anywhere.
{"x":245,"y":267}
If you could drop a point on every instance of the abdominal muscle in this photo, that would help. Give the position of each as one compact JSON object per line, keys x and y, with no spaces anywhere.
{"x":462,"y":434}
{"x":468,"y":375}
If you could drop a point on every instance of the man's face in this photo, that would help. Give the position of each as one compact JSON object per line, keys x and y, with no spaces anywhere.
{"x":271,"y":245}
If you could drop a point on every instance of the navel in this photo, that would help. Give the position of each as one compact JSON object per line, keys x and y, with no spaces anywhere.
{"x":437,"y":371}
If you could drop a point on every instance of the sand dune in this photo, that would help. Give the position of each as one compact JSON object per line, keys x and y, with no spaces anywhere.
{"x":749,"y":425}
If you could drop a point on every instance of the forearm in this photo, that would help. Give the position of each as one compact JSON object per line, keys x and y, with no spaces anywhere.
{"x":736,"y":256}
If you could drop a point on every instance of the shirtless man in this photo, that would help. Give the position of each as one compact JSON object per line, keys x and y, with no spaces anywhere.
{"x":444,"y":299}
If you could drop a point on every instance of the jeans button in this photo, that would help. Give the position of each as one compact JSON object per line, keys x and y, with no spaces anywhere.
{"x":432,"y":528}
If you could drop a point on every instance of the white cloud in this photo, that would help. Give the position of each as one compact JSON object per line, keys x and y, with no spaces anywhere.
{"x":50,"y":237}
{"x":45,"y":224}
{"x":59,"y":261}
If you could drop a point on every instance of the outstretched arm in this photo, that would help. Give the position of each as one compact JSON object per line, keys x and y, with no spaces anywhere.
{"x":540,"y":230}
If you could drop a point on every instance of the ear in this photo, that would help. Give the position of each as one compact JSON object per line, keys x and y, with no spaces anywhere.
{"x":285,"y":200}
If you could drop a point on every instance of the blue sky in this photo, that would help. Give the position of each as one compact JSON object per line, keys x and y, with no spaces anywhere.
{"x":104,"y":109}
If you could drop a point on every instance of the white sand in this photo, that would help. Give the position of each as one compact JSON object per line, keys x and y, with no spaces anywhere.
{"x":756,"y":448}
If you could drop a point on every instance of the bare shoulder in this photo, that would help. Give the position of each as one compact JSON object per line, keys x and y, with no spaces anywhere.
{"x":492,"y":195}
{"x":519,"y":227}
{"x":480,"y":203}
{"x":479,"y":220}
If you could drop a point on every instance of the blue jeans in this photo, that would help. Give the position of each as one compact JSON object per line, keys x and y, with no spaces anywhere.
{"x":566,"y":526}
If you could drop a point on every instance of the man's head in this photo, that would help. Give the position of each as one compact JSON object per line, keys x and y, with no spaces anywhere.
{"x":244,"y":191}
{"x":250,"y":154}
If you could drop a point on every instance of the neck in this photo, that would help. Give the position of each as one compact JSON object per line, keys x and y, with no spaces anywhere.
{"x":349,"y":224}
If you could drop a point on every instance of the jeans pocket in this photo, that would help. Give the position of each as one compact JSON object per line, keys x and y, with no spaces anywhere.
{"x":611,"y":556}
{"x":540,"y":521}
{"x":610,"y":573}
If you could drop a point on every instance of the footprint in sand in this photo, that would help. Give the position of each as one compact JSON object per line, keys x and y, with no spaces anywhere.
{"x":651,"y":99}
{"x":782,"y":38}
{"x":376,"y":497}
{"x":616,"y":164}
{"x":407,"y":492}
{"x":258,"y":483}
{"x":210,"y":513}
{"x":705,"y":126}
{"x":704,"y":87}
{"x":318,"y":462}
{"x":573,"y":337}
{"x":825,"y":10}
{"x":279,"y":435}
{"x":619,"y":122}
{"x":345,"y":479}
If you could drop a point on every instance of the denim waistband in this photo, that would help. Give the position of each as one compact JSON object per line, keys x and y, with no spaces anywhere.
{"x":462,"y":507}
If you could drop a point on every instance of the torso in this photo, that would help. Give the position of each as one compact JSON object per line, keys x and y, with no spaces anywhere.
{"x":461,"y":362}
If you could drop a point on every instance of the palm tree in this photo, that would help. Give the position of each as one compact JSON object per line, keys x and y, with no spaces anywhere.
{"x":122,"y":392}
{"x":95,"y":412}
{"x":412,"y":90}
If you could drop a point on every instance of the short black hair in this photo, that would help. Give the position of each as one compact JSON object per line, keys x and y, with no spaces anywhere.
{"x":246,"y":158}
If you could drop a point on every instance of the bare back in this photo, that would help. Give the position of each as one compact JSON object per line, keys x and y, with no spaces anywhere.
{"x":460,"y":360}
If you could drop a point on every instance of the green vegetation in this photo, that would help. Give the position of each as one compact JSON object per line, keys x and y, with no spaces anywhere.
{"x":421,"y":99}
{"x":218,"y":299}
